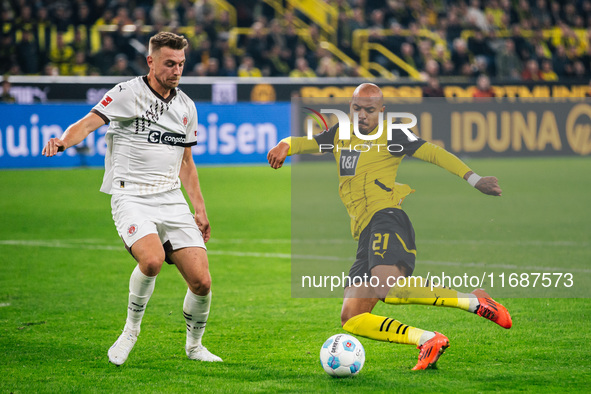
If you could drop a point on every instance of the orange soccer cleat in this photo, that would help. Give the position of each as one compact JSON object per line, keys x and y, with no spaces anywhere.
{"x":492,"y":310}
{"x":430,"y":351}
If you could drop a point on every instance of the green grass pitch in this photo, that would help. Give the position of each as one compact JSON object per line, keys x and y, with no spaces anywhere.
{"x":64,"y":283}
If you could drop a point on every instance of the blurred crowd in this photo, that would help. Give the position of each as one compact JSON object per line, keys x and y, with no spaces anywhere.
{"x":502,"y":39}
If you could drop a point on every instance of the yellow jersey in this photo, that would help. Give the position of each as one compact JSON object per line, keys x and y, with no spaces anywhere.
{"x":367,"y":169}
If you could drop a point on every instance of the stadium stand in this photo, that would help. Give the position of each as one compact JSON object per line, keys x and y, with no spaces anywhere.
{"x":507,"y":40}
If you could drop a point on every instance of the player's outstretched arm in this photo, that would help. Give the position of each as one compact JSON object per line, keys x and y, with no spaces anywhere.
{"x":277,"y":155}
{"x":486,"y":184}
{"x":444,"y":159}
{"x":291,"y":146}
{"x":190,"y":181}
{"x":73,"y":135}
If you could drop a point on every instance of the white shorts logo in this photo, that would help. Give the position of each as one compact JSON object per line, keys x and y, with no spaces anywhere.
{"x":131,"y":230}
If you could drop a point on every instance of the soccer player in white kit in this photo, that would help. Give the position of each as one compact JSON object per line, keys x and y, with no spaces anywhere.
{"x":152,"y":126}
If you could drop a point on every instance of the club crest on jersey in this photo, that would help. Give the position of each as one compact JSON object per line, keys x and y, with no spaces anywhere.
{"x":185,"y":120}
{"x":131,"y":230}
{"x":106,"y":101}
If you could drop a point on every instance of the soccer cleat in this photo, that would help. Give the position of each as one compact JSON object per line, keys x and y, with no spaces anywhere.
{"x":430,"y":351}
{"x":120,"y":350}
{"x":492,"y":310}
{"x":201,"y":353}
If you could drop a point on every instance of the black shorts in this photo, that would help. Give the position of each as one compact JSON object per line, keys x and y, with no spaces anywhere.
{"x":388,"y":239}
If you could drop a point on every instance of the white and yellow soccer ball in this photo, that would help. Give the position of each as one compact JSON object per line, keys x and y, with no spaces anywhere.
{"x":342,"y":355}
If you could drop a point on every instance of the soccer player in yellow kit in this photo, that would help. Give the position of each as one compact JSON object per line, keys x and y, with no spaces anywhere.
{"x":386,"y":240}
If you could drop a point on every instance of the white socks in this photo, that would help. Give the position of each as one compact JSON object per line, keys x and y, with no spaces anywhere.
{"x":141,"y":288}
{"x":473,"y":303}
{"x":195,"y":307}
{"x":467,"y":302}
{"x":196,"y":311}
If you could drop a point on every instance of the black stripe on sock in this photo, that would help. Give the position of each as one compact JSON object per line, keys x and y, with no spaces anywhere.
{"x":389,"y":324}
{"x":382,"y":326}
{"x":399,"y":327}
{"x":404,"y":331}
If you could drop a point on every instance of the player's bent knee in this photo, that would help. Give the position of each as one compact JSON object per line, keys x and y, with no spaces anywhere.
{"x":200,"y":286}
{"x":151,"y":266}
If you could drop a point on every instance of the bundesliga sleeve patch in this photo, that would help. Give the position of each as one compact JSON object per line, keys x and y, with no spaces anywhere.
{"x":106,"y":101}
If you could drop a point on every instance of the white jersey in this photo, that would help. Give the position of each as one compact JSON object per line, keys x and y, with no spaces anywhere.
{"x":146,"y":138}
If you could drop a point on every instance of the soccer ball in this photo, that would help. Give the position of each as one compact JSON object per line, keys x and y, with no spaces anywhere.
{"x":342,"y":355}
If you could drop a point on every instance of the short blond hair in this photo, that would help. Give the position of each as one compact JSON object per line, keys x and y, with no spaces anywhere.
{"x":167,"y":39}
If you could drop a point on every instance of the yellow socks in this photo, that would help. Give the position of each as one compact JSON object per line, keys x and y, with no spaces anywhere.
{"x":383,"y":329}
{"x":411,"y":292}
